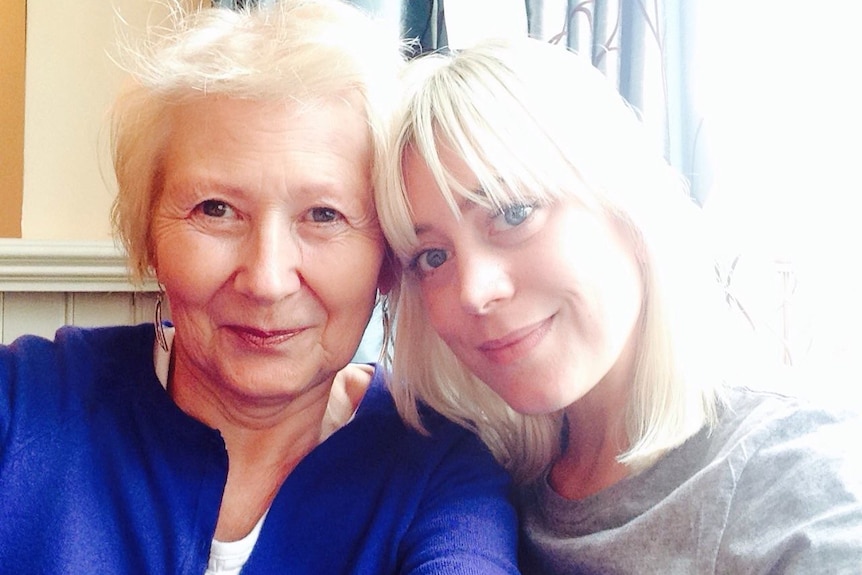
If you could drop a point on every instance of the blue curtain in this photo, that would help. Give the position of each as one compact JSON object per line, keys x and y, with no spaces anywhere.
{"x":645,"y":46}
{"x":423,"y":21}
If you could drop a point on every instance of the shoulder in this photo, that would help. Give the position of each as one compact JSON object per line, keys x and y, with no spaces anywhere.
{"x":379,"y":405}
{"x":76,"y":339}
{"x":74,"y":351}
{"x":797,"y":470}
{"x":427,"y":502}
{"x":764,"y":420}
{"x":39,"y":376}
{"x":444,"y":444}
{"x":764,"y":435}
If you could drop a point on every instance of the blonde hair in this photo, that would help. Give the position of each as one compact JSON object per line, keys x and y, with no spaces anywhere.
{"x":298,"y":50}
{"x":535,"y":121}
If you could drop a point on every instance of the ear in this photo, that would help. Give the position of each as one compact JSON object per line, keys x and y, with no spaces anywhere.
{"x":390,"y":272}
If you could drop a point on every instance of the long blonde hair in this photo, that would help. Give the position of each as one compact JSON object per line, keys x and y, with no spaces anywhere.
{"x":525,"y":115}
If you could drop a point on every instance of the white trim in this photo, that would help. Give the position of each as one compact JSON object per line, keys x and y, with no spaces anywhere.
{"x":65,"y":266}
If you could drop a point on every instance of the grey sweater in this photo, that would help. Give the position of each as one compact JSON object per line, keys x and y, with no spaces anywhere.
{"x":775,"y":488}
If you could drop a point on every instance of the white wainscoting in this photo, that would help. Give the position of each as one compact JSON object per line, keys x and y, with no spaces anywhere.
{"x":47,"y":284}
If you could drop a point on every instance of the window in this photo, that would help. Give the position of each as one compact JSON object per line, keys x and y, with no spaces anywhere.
{"x":780,"y":86}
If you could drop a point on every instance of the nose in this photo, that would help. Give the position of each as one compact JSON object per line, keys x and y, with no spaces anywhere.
{"x":271,"y":258}
{"x":485,"y":282}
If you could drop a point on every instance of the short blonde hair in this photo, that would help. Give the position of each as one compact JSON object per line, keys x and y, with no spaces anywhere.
{"x":535,"y":121}
{"x":299,"y":50}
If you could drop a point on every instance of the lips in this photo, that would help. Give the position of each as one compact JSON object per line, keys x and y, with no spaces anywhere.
{"x":516,"y":344}
{"x":262,"y":337}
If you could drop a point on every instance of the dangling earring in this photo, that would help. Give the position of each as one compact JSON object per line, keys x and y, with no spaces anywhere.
{"x":160,"y":328}
{"x":385,"y":357}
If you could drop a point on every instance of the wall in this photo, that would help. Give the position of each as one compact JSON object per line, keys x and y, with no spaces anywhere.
{"x":12,"y":46}
{"x":70,"y":82}
{"x":46,"y":284}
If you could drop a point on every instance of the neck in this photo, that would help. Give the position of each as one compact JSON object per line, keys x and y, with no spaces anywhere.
{"x":589,"y":463}
{"x":260,"y":461}
{"x":265,"y":440}
{"x":596,"y":436}
{"x":597,"y":431}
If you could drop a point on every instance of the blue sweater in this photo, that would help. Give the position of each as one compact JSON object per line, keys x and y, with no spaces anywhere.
{"x":100,"y":472}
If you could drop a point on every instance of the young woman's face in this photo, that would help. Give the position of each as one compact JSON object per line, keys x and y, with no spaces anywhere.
{"x":267,"y":243}
{"x":539,"y":301}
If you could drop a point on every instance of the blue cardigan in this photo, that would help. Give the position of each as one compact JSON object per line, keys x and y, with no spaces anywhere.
{"x":100,"y":472}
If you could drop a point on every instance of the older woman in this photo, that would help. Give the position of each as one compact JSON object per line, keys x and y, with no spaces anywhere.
{"x":559,"y":300}
{"x":243,"y":150}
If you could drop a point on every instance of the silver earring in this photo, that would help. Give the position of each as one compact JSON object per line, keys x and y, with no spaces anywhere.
{"x":160,"y":327}
{"x":385,"y":357}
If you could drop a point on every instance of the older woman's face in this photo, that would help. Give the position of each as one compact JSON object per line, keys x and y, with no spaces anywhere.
{"x":540,"y":302}
{"x":267,"y":244}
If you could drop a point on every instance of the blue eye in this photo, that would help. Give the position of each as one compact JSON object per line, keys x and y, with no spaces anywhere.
{"x":323,"y":215}
{"x":435,"y":258}
{"x":429,"y":260}
{"x":215,"y":208}
{"x":515,"y":214}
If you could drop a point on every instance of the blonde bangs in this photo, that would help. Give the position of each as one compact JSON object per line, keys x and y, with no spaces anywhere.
{"x":474,"y":120}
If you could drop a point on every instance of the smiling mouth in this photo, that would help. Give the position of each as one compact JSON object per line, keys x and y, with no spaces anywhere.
{"x":516,"y":344}
{"x":264,"y":338}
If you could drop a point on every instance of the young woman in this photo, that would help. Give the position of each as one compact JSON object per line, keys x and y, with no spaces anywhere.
{"x":558,"y":298}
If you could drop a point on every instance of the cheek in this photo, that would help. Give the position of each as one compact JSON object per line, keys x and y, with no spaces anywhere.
{"x":187,"y":286}
{"x":347,"y":273}
{"x":190,"y":267}
{"x":440,"y":303}
{"x":346,"y":287}
{"x":615,"y":289}
{"x":623,"y":281}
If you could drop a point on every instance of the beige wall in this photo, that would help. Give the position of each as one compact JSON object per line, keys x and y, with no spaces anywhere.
{"x":70,"y":80}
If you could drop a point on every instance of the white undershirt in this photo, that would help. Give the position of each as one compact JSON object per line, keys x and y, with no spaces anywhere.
{"x":228,"y":557}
